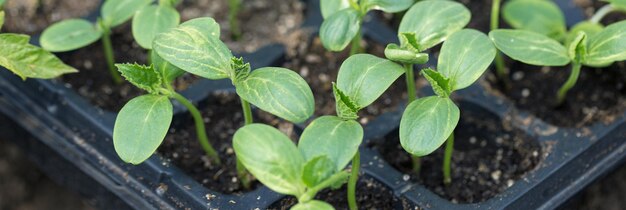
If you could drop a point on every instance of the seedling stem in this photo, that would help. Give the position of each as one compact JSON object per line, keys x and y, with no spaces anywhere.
{"x":356,"y":44}
{"x":495,"y":22}
{"x":447,"y":179}
{"x":410,"y":87}
{"x":356,"y":166}
{"x":108,"y":52}
{"x":571,"y":81}
{"x":241,"y":169}
{"x":606,"y":9}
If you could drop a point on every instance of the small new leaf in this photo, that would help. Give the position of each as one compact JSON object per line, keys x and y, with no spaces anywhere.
{"x":144,"y":77}
{"x":578,"y":48}
{"x":345,"y":107}
{"x":395,"y":53}
{"x":242,"y":70}
{"x":440,"y":83}
{"x":167,"y":71}
{"x":29,"y":61}
{"x":409,"y":41}
{"x":591,"y":29}
{"x":317,"y":170}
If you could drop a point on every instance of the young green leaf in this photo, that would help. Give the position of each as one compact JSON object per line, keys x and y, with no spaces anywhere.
{"x":396,"y":53}
{"x":279,"y":91}
{"x":578,"y":48}
{"x":364,"y":78}
{"x":333,"y":137}
{"x":338,"y":30}
{"x":465,"y":56}
{"x":345,"y":107}
{"x":196,"y":50}
{"x":317,"y":169}
{"x":29,"y":61}
{"x":589,"y":28}
{"x":69,"y":35}
{"x":165,"y":69}
{"x":541,"y":16}
{"x":440,"y":83}
{"x":152,"y":20}
{"x":144,"y":77}
{"x":271,"y":157}
{"x":313,"y":205}
{"x":330,"y":7}
{"x":389,"y":6}
{"x":608,"y":45}
{"x":530,"y":47}
{"x":433,"y":21}
{"x":427,"y":123}
{"x":116,"y":12}
{"x":141,"y":126}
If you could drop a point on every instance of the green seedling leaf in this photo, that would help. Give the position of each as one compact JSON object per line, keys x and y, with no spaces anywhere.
{"x":465,"y":56}
{"x":144,"y":77}
{"x":153,"y":20}
{"x":69,"y":35}
{"x":389,"y":6}
{"x":541,"y":16}
{"x":589,"y":28}
{"x":364,"y":78}
{"x":116,"y":12}
{"x":313,"y":205}
{"x":608,"y":45}
{"x":427,"y":123}
{"x":330,"y":7}
{"x":346,"y":107}
{"x":196,"y":50}
{"x":396,"y":53}
{"x":279,"y":91}
{"x":317,"y":170}
{"x":530,"y":47}
{"x":433,"y":21}
{"x":141,"y":126}
{"x":578,"y":48}
{"x":440,"y":83}
{"x":338,"y":30}
{"x":333,"y":137}
{"x":1,"y":18}
{"x":164,"y":68}
{"x":29,"y":61}
{"x":271,"y":157}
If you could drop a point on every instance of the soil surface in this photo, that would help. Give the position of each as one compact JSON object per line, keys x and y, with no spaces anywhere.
{"x":94,"y":82}
{"x":489,"y":156}
{"x":370,"y":194}
{"x":33,"y":16}
{"x":261,"y":22}
{"x":222,"y":116}
{"x":319,"y":67}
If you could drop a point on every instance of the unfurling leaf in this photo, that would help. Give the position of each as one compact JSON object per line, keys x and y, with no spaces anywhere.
{"x":541,"y":16}
{"x":153,"y":20}
{"x":317,"y":170}
{"x":279,"y":91}
{"x":69,"y":35}
{"x":465,"y":56}
{"x":141,"y":126}
{"x":440,"y":83}
{"x":578,"y":48}
{"x":589,"y":28}
{"x":530,"y":47}
{"x":331,"y":136}
{"x":144,"y":77}
{"x":395,"y":53}
{"x":345,"y":107}
{"x":338,"y":30}
{"x":29,"y":61}
{"x":167,"y":71}
{"x":427,"y":123}
{"x":116,"y":12}
{"x":271,"y":157}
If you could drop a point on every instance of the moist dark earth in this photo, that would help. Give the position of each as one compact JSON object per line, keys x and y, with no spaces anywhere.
{"x":33,"y":16}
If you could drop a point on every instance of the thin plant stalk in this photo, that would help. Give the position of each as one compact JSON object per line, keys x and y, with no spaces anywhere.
{"x":108,"y":52}
{"x":499,"y":61}
{"x":233,"y":7}
{"x":354,"y":177}
{"x":242,"y":173}
{"x":356,"y":44}
{"x":601,"y":13}
{"x":412,"y":96}
{"x":571,"y":81}
{"x":200,"y":129}
{"x":447,"y":159}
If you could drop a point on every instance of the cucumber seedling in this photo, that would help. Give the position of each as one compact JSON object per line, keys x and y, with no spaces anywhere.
{"x":428,"y":122}
{"x":597,"y":50}
{"x":72,"y":34}
{"x":324,"y":149}
{"x":343,"y":18}
{"x":194,"y":47}
{"x":26,"y":60}
{"x":154,"y":19}
{"x":425,"y":24}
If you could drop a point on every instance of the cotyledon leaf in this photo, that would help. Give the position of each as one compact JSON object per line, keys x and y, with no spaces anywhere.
{"x":141,"y":126}
{"x":608,"y":45}
{"x":546,"y":18}
{"x":313,"y":205}
{"x":29,"y":61}
{"x":339,"y":29}
{"x":390,"y":6}
{"x":69,"y":35}
{"x":195,"y":50}
{"x":530,"y":47}
{"x":330,"y":7}
{"x":152,"y":20}
{"x":279,"y":91}
{"x":427,"y":123}
{"x":116,"y":12}
{"x":317,"y":169}
{"x":465,"y":56}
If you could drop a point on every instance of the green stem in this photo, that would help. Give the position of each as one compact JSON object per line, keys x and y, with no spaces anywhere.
{"x":311,"y":192}
{"x":571,"y":81}
{"x":495,"y":14}
{"x":200,"y":130}
{"x":356,"y":44}
{"x":412,"y":96}
{"x":354,"y":177}
{"x":108,"y":54}
{"x":606,"y":9}
{"x":233,"y":21}
{"x":447,"y":159}
{"x":242,"y":173}
{"x":149,"y":58}
{"x":495,"y":22}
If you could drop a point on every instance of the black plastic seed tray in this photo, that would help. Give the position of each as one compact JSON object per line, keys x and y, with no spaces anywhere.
{"x":69,"y":133}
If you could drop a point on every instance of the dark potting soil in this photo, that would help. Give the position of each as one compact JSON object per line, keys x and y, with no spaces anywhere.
{"x":370,"y":194}
{"x":33,"y":16}
{"x":261,"y":22}
{"x":94,"y":82}
{"x":489,"y":156}
{"x":222,"y":116}
{"x":319,"y":67}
